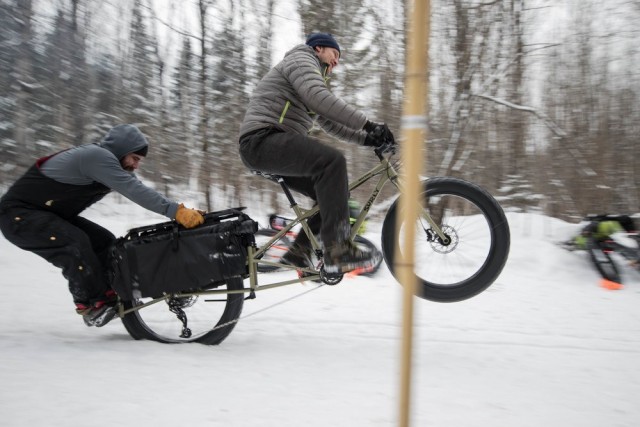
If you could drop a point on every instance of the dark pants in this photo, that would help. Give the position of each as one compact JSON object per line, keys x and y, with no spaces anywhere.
{"x":308,"y":167}
{"x":79,"y":247}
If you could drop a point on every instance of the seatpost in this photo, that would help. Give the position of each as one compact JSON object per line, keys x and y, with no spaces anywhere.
{"x":299,"y":213}
{"x":285,"y":188}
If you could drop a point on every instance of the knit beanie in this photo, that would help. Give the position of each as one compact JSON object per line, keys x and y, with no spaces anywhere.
{"x":323,"y":40}
{"x":143,"y":151}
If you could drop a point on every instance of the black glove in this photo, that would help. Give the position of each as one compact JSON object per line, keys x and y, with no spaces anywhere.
{"x":370,"y":141}
{"x":377,"y":134}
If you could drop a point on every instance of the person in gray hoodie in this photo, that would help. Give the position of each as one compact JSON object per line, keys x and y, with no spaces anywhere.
{"x":40,"y":213}
{"x":285,"y":105}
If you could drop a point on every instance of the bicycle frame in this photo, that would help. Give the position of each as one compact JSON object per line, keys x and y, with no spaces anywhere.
{"x":387,"y":173}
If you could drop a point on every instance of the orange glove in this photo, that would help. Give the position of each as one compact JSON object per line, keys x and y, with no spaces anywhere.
{"x":188,"y":218}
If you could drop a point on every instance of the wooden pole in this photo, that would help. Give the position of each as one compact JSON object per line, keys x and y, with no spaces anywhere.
{"x":414,"y":131}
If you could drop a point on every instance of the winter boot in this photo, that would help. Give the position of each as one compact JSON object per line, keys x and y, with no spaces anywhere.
{"x":100,"y":312}
{"x":346,"y":257}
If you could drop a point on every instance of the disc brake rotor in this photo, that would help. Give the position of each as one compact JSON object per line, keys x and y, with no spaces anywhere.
{"x":440,"y":245}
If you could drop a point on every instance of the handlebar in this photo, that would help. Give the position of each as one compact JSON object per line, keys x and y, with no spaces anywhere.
{"x":387,"y":147}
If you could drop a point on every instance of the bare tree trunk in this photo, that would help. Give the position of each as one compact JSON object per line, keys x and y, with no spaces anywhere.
{"x":24,"y":71}
{"x":205,"y":165}
{"x":517,"y":163}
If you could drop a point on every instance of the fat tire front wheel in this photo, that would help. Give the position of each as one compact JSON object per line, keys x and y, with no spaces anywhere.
{"x":475,"y":248}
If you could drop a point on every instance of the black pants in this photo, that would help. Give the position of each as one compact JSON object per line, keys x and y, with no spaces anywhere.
{"x":79,"y":247}
{"x":308,"y":167}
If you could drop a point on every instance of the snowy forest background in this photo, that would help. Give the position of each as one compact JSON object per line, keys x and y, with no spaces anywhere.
{"x":536,"y":100}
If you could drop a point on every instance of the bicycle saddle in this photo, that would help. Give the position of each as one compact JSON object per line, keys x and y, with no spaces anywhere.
{"x":270,"y":176}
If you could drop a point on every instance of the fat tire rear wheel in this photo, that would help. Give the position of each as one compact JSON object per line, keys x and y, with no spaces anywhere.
{"x":210,"y":318}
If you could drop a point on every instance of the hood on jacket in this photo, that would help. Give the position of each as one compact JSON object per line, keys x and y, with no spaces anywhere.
{"x":124,"y":139}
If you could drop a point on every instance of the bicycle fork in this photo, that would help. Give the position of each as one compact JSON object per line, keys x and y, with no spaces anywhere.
{"x":433,"y":230}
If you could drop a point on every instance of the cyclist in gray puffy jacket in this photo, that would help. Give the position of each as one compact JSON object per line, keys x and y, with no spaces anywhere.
{"x":274,"y":139}
{"x":40,"y":213}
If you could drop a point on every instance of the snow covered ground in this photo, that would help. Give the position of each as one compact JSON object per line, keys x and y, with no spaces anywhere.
{"x":544,"y":346}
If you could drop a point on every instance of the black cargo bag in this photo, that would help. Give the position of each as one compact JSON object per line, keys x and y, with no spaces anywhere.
{"x":165,"y":258}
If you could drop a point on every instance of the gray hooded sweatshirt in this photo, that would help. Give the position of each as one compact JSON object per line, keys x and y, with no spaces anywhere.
{"x":89,"y":164}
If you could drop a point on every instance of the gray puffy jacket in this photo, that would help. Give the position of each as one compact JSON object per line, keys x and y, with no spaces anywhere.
{"x":294,"y":93}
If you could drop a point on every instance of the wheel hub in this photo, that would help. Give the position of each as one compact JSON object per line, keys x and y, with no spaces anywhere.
{"x":446,"y":245}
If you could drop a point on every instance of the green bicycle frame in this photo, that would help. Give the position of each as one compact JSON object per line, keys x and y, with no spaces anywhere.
{"x":387,"y":173}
